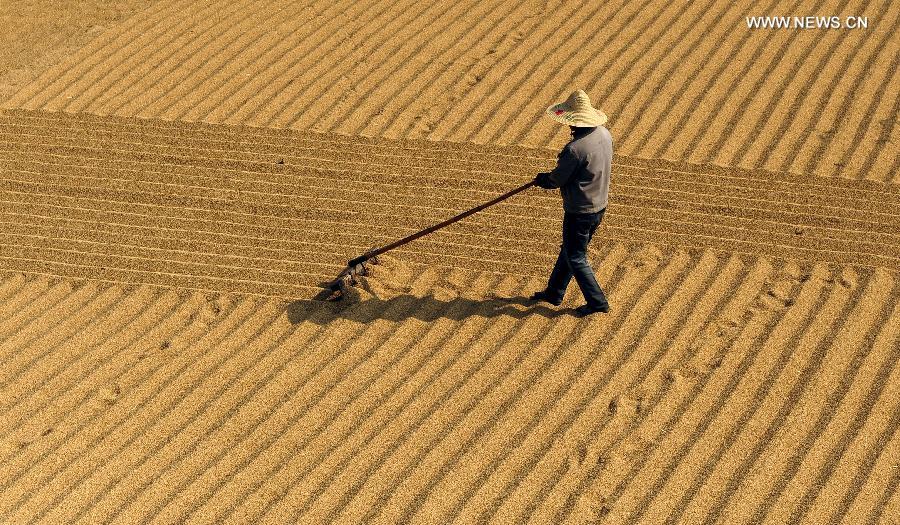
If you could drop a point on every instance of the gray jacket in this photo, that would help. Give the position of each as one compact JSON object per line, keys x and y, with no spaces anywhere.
{"x":582,"y":171}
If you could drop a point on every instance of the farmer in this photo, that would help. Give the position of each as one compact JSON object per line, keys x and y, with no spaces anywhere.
{"x":582,"y":176}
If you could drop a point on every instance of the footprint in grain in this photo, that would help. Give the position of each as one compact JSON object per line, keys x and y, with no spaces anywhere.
{"x":577,"y":454}
{"x":209,"y":310}
{"x":594,"y":505}
{"x":627,"y":406}
{"x":682,"y":377}
{"x":848,"y":279}
{"x":109,"y":394}
{"x":647,"y":257}
{"x":584,"y":454}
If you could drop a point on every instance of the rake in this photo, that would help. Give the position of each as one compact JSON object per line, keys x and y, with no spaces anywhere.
{"x":335,"y":290}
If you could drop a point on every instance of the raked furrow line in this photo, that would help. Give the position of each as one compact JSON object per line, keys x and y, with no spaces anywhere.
{"x":746,"y":373}
{"x":275,"y":213}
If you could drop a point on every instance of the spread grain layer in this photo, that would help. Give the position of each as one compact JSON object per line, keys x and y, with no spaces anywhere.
{"x":251,"y":210}
{"x":680,"y":79}
{"x":38,"y":34}
{"x":723,"y":387}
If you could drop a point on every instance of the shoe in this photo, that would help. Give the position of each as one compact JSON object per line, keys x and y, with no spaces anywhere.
{"x":586,"y":309}
{"x":542,"y":296}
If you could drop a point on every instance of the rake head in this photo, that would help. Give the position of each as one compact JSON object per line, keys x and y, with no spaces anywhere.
{"x":336,"y":289}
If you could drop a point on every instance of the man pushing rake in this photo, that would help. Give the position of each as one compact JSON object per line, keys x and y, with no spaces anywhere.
{"x":582,"y":175}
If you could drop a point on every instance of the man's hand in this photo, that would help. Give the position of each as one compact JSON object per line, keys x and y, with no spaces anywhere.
{"x":543,"y":181}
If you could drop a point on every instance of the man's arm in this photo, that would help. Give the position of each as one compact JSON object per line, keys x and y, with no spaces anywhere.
{"x":566,"y":164}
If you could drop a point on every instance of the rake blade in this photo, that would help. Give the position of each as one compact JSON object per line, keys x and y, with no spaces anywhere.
{"x":336,"y":289}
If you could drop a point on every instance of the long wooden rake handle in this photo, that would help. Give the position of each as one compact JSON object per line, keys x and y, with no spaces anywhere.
{"x":378,"y":251}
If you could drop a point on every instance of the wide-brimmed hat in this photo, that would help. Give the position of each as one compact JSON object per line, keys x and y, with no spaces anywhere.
{"x":577,"y":111}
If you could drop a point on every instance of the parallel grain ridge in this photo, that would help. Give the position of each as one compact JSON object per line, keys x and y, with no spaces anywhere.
{"x":806,"y":102}
{"x":274,"y":213}
{"x":172,"y":193}
{"x":438,"y":394}
{"x":768,"y":393}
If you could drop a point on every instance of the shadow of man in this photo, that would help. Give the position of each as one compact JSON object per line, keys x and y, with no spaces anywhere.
{"x":403,"y":307}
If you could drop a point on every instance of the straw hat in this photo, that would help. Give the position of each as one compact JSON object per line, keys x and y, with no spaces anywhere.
{"x":577,"y":111}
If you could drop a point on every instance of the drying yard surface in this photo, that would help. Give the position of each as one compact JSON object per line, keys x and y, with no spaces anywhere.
{"x":172,"y":193}
{"x":767,"y":388}
{"x":681,"y":80}
{"x":274,"y":211}
{"x":37,"y":34}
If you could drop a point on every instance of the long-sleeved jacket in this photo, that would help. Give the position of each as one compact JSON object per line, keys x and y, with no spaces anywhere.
{"x":582,"y":171}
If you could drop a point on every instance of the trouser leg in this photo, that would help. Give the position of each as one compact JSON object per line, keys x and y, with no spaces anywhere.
{"x":576,"y":238}
{"x":560,"y":276}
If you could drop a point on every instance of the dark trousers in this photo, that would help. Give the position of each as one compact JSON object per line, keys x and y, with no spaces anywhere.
{"x":577,"y":230}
